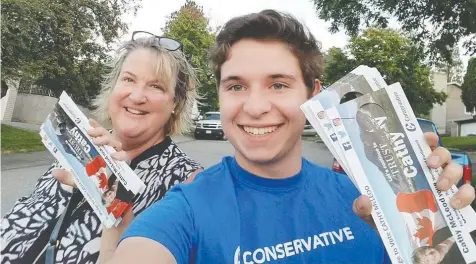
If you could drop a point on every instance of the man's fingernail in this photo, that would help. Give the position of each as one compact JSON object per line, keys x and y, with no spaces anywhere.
{"x":360,"y":207}
{"x":433,"y":160}
{"x":456,"y":203}
{"x":443,"y":183}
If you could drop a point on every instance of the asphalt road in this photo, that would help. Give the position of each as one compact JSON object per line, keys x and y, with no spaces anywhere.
{"x":21,"y":171}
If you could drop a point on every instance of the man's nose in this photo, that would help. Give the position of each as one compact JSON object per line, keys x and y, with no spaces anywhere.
{"x":257,"y":103}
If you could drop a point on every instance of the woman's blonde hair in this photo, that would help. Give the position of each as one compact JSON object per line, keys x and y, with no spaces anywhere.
{"x":171,"y":66}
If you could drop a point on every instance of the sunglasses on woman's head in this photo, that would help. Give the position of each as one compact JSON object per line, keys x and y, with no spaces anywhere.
{"x":166,"y":43}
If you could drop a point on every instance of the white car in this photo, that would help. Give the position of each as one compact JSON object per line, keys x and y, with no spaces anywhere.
{"x":209,"y":126}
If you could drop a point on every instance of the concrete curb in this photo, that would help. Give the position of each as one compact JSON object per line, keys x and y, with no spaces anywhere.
{"x":33,"y":127}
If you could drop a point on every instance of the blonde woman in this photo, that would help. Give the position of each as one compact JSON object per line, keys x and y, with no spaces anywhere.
{"x":146,"y":97}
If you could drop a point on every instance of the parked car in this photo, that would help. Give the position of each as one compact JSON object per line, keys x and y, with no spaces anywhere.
{"x":209,"y":126}
{"x":308,"y":130}
{"x":457,"y":156}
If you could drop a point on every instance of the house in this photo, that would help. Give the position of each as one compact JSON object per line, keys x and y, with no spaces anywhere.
{"x":451,"y":118}
{"x":466,"y":126}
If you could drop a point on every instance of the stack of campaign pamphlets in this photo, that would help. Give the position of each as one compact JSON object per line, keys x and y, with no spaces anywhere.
{"x":108,"y":185}
{"x":373,"y":133}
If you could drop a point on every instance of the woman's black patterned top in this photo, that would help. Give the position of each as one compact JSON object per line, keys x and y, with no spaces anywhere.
{"x":26,"y":228}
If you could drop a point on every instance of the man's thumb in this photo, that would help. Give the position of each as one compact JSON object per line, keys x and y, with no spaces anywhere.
{"x":363,"y":208}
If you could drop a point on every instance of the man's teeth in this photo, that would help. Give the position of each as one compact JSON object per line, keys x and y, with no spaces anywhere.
{"x":259,"y":131}
{"x":134,"y":111}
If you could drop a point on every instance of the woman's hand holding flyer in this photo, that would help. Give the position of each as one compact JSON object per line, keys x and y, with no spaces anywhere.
{"x":93,"y":161}
{"x":101,"y":137}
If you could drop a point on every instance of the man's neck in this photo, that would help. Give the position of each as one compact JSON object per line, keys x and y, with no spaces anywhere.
{"x":282,"y":167}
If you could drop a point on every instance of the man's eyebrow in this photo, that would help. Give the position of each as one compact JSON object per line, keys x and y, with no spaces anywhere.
{"x":271,"y":76}
{"x":231,"y":78}
{"x":282,"y":76}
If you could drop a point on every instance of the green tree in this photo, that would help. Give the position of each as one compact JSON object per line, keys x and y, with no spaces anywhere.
{"x":469,"y":86}
{"x":337,"y":64}
{"x":439,"y":24}
{"x":453,"y":69}
{"x":396,"y":58}
{"x":60,"y":45}
{"x":190,"y":26}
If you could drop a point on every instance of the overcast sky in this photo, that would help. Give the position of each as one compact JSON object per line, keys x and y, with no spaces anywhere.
{"x":153,"y":14}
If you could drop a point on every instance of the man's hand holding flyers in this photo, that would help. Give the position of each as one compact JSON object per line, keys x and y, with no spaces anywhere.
{"x":407,"y":182}
{"x":452,"y":173}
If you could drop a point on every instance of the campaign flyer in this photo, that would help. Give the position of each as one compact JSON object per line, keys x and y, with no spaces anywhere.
{"x":66,"y":138}
{"x":386,"y":151}
{"x":361,"y":80}
{"x":120,"y":168}
{"x":314,"y":119}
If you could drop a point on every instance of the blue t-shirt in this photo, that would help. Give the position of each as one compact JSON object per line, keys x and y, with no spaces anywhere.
{"x":228,"y":215}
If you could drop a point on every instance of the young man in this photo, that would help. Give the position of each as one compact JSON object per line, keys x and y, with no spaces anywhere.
{"x":267,"y":204}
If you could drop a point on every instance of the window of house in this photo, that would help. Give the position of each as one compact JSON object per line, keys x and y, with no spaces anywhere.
{"x":469,"y":111}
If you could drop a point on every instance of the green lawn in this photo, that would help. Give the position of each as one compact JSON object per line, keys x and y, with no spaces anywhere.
{"x":462,"y":143}
{"x":20,"y":140}
{"x":473,"y":180}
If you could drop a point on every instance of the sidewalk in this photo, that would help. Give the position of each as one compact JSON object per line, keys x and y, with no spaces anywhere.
{"x":176,"y":139}
{"x":23,"y":125}
{"x":26,"y":160}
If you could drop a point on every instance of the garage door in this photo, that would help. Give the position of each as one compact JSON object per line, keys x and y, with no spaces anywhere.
{"x":469,"y":128}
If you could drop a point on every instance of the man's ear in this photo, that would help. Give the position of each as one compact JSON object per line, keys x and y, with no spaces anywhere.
{"x":317,"y":87}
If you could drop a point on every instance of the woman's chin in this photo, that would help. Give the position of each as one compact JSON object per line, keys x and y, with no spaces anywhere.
{"x":128,"y":133}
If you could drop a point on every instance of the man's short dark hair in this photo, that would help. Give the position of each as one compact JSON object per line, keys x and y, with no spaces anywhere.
{"x":271,"y":25}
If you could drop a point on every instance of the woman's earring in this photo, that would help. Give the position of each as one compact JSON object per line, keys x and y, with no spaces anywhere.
{"x":173,"y":111}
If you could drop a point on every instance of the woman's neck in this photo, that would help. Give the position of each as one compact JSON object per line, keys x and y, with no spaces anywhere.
{"x":135,"y":147}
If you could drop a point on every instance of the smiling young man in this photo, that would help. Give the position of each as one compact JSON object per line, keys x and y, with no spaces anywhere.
{"x":267,"y":204}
